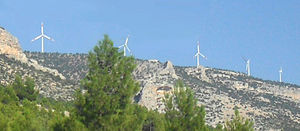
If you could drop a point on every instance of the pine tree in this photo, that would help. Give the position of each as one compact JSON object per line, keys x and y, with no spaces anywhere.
{"x":155,"y":121}
{"x":239,"y":123}
{"x":182,"y":112}
{"x":110,"y":87}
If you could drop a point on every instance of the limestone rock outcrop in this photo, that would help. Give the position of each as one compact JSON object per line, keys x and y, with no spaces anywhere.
{"x":169,"y":70}
{"x":9,"y":45}
{"x":152,"y":75}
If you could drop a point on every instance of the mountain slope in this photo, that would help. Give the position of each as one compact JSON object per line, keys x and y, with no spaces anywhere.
{"x":48,"y":84}
{"x":272,"y":105}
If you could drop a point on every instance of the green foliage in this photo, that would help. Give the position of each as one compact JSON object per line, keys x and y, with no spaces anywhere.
{"x":24,"y":114}
{"x":182,"y":112}
{"x":8,"y":95}
{"x":54,"y":104}
{"x":24,"y":90}
{"x":219,"y":127}
{"x":26,"y":117}
{"x":239,"y":123}
{"x":69,"y":124}
{"x":154,"y":122}
{"x":107,"y":104}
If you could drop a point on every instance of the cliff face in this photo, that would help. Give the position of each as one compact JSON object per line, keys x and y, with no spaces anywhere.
{"x":10,"y":46}
{"x":156,"y":79}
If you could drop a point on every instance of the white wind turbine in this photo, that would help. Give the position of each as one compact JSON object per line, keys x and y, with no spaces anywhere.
{"x":42,"y":36}
{"x":198,"y":54}
{"x":280,"y":74}
{"x":125,"y":46}
{"x":247,"y":61}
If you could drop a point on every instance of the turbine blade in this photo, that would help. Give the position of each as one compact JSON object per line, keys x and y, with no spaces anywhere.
{"x":203,"y":56}
{"x":198,"y":46}
{"x":36,"y":38}
{"x":244,"y":59}
{"x":49,"y":38}
{"x":126,"y":41}
{"x":197,"y":54}
{"x":128,"y":49}
{"x":121,"y":46}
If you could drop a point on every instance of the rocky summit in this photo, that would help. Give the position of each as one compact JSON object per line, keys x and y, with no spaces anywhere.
{"x":272,"y":105}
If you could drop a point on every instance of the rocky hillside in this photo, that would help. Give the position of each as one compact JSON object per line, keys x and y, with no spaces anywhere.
{"x":272,"y":105}
{"x":13,"y":61}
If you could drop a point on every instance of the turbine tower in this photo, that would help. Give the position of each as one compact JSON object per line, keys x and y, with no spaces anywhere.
{"x":198,"y":54}
{"x":247,"y":61}
{"x":125,"y":46}
{"x":42,"y":36}
{"x":280,"y":74}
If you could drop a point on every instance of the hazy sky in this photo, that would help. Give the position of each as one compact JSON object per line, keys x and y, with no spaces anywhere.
{"x":266,"y":31}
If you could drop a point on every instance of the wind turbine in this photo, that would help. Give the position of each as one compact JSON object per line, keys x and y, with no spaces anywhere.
{"x":247,"y":61}
{"x":198,"y":54}
{"x":280,"y":74}
{"x":42,"y":36}
{"x":125,"y":46}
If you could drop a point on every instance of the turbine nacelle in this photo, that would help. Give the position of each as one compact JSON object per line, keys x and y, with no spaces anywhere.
{"x":280,"y":70}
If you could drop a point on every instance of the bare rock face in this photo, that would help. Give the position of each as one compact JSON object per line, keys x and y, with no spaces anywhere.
{"x":169,"y":70}
{"x":154,"y":78}
{"x":9,"y":45}
{"x":199,"y":72}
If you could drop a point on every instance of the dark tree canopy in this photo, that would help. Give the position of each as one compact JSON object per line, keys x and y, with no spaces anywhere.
{"x":110,"y":86}
{"x":182,"y":111}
